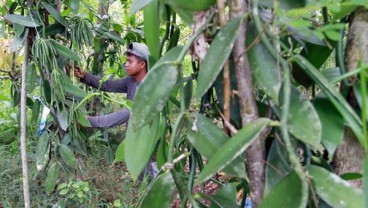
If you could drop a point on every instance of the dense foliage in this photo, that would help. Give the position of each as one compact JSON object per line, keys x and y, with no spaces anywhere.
{"x":267,"y":78}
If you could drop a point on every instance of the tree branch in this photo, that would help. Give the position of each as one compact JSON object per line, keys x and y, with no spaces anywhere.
{"x":255,"y":154}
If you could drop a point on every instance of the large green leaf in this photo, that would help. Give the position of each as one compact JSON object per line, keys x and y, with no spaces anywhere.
{"x":55,"y":14}
{"x":289,"y":192}
{"x":284,"y":4}
{"x":120,"y":152}
{"x":225,"y":197}
{"x":138,"y":5}
{"x":264,"y":66}
{"x":52,"y":176}
{"x":17,"y":42}
{"x":217,"y":55}
{"x":67,"y":155}
{"x":152,"y":29}
{"x":74,"y":5}
{"x":303,"y":120}
{"x":207,"y":138}
{"x":185,"y":15}
{"x":22,"y":20}
{"x":332,"y":124}
{"x":277,"y":166}
{"x":65,"y":52}
{"x":42,"y":151}
{"x":233,"y":148}
{"x":335,"y":191}
{"x":30,"y":78}
{"x":160,"y":193}
{"x":335,"y":98}
{"x":192,"y":5}
{"x":153,"y":93}
{"x":139,"y":146}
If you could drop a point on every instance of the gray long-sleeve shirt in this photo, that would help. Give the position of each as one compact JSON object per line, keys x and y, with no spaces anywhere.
{"x":125,"y":85}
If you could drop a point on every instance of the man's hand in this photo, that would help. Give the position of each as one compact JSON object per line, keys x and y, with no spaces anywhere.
{"x":79,"y":72}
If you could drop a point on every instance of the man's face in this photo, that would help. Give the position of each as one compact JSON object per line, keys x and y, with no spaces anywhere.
{"x":133,"y":66}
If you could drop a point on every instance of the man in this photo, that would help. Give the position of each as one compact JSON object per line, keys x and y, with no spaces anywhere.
{"x":136,"y":67}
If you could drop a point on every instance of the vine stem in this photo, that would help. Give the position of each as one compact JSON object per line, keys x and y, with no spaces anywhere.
{"x":286,"y":105}
{"x":226,"y":69}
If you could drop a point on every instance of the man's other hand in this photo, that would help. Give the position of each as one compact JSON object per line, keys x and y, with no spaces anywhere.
{"x":79,"y":72}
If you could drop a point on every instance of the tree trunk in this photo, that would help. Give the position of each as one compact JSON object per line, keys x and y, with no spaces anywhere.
{"x":349,"y":155}
{"x":23,"y":126}
{"x":255,"y":154}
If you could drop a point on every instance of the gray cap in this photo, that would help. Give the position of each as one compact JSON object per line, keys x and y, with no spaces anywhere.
{"x":138,"y":49}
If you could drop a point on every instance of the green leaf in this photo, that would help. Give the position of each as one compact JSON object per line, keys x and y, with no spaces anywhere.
{"x":170,"y":56}
{"x":42,"y":151}
{"x":52,"y":176}
{"x":185,"y":15}
{"x":138,"y":5}
{"x":30,"y":78}
{"x":192,"y":5}
{"x":36,"y":110}
{"x":217,"y":55}
{"x":18,"y":29}
{"x":119,"y":155}
{"x":82,"y":119}
{"x":188,"y":91}
{"x":160,"y":193}
{"x":62,"y":118}
{"x":277,"y":166}
{"x":152,"y":29}
{"x":303,"y":120}
{"x":139,"y":146}
{"x":359,"y":97}
{"x":153,"y":93}
{"x":226,"y":197}
{"x":17,"y":42}
{"x":233,"y":148}
{"x":208,"y":139}
{"x":22,"y":20}
{"x":65,"y":52}
{"x":114,"y":36}
{"x":67,"y":156}
{"x":46,"y":90}
{"x":335,"y":98}
{"x":70,"y":88}
{"x":287,"y":193}
{"x":332,"y":124}
{"x":351,"y":176}
{"x":264,"y":66}
{"x":335,"y":191}
{"x":74,"y":5}
{"x":55,"y":14}
{"x":284,"y":4}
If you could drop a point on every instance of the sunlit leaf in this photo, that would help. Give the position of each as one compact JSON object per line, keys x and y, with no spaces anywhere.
{"x":138,"y":5}
{"x":152,"y":94}
{"x":139,"y":146}
{"x":217,"y":55}
{"x":152,"y":29}
{"x":42,"y":151}
{"x":74,"y":5}
{"x":191,"y":5}
{"x":233,"y":148}
{"x":160,"y":193}
{"x":120,"y":152}
{"x":335,"y":191}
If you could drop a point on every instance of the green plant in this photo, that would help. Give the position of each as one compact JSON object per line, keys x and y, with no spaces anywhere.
{"x":76,"y":191}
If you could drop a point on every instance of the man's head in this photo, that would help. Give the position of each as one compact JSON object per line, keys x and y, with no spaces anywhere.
{"x":137,"y":58}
